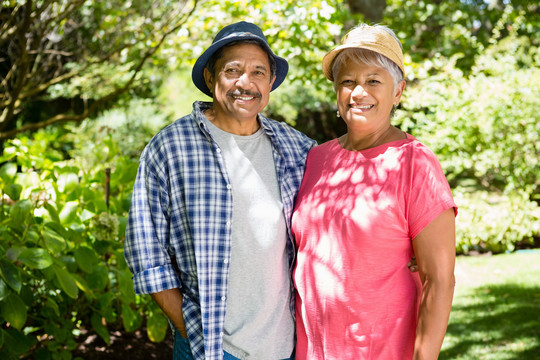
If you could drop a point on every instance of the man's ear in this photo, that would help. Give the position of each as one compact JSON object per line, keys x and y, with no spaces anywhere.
{"x":208,"y":79}
{"x":273,"y":80}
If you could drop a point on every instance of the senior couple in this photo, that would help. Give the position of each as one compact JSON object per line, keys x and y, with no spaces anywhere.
{"x":257,"y":244}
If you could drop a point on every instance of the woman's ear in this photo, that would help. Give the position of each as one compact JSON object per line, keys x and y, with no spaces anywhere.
{"x":399,"y":91}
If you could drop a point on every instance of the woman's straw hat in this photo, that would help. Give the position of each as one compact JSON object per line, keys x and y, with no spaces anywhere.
{"x":374,"y":38}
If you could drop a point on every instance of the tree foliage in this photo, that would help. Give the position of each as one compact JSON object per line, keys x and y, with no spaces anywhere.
{"x":435,"y":29}
{"x":472,"y":73}
{"x":64,"y":60}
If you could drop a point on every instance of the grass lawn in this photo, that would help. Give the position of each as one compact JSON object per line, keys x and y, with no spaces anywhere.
{"x":496,"y":309}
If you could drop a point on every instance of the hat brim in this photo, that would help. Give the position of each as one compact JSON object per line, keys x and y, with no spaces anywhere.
{"x":197,"y":74}
{"x":328,"y":59}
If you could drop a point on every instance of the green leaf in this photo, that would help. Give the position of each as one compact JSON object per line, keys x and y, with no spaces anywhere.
{"x":13,"y":253}
{"x":88,"y":195}
{"x":16,"y":342}
{"x":27,"y":295}
{"x":129,"y":173}
{"x":8,"y":172}
{"x":132,"y":320}
{"x":105,"y":300}
{"x":4,"y":290}
{"x":54,"y":241}
{"x":69,"y":262}
{"x":99,"y":278}
{"x":52,"y":212}
{"x":11,"y":274}
{"x":99,"y":328}
{"x":59,"y":228}
{"x":67,"y":283}
{"x":86,"y":259}
{"x":67,"y":182}
{"x":69,"y":212}
{"x":20,"y":211}
{"x":86,"y":215}
{"x":81,"y":284}
{"x":14,"y":311}
{"x":36,"y":258}
{"x":157,"y":326}
{"x":13,"y":191}
{"x":125,"y":285}
{"x":48,"y":274}
{"x":32,"y":236}
{"x":50,"y":303}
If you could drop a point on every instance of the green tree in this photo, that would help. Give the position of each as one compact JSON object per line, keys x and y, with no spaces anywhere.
{"x":64,"y":60}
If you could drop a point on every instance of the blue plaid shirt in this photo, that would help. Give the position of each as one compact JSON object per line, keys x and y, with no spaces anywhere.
{"x":181,"y":209}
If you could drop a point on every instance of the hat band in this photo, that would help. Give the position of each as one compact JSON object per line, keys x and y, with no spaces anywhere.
{"x":239,"y":34}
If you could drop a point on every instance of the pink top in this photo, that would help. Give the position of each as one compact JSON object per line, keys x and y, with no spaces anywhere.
{"x":354,"y":220}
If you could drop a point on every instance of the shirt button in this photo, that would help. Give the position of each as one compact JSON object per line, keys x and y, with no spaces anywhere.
{"x":223,"y":298}
{"x":229,"y":186}
{"x":228,"y":223}
{"x":226,"y":261}
{"x":218,"y":150}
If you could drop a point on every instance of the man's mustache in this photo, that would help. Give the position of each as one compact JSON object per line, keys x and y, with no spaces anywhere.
{"x":244,"y":93}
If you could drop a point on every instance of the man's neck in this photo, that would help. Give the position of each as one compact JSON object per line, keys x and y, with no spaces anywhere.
{"x":235,"y":126}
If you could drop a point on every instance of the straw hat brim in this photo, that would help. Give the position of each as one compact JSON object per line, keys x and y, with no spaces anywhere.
{"x":388,"y":51}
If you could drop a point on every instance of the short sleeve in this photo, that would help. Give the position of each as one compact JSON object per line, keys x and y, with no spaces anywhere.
{"x":430,"y":193}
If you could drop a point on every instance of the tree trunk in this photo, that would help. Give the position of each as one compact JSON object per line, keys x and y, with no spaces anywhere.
{"x":371,"y":9}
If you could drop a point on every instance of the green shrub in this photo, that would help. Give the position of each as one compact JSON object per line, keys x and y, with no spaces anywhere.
{"x":62,"y":266}
{"x":483,"y":127}
{"x":488,"y":221}
{"x":484,"y":130}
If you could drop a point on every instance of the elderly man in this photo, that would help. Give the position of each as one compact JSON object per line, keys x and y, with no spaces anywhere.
{"x":209,"y":226}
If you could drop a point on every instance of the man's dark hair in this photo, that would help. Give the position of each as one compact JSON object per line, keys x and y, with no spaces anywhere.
{"x":211,"y":64}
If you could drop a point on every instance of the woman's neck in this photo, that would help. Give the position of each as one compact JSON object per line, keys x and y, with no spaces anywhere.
{"x":368,"y":141}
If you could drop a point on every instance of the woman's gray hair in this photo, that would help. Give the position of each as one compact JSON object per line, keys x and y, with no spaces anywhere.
{"x":368,"y":57}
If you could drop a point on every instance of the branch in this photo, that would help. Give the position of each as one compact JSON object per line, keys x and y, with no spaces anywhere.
{"x":36,"y":89}
{"x":7,"y":29}
{"x":7,"y":114}
{"x":94,"y":106}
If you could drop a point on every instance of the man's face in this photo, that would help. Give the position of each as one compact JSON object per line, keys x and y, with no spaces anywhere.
{"x":242,"y":82}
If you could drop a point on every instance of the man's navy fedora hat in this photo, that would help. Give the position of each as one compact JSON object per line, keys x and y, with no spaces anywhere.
{"x":235,"y":32}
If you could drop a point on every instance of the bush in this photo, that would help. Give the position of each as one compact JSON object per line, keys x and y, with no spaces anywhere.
{"x":484,"y":127}
{"x":488,"y":221}
{"x":62,"y":262}
{"x":484,"y":130}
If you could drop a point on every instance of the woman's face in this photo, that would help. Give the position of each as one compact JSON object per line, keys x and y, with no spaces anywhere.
{"x":365,"y":96}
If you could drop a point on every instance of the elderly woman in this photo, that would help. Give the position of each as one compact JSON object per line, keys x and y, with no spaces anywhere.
{"x":368,"y":202}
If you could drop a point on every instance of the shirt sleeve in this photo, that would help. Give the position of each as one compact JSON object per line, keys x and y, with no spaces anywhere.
{"x":430,"y":193}
{"x":147,"y":231}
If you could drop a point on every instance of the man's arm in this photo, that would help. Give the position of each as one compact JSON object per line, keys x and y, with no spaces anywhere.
{"x":435,"y":252}
{"x":170,"y":301}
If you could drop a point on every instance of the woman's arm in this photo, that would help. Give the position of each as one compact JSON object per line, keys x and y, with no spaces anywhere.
{"x":435,"y":251}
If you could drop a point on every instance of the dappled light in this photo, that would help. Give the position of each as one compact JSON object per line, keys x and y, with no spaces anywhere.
{"x":85,"y":85}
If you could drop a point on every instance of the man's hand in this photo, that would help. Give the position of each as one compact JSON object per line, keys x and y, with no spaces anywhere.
{"x":413,"y":266}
